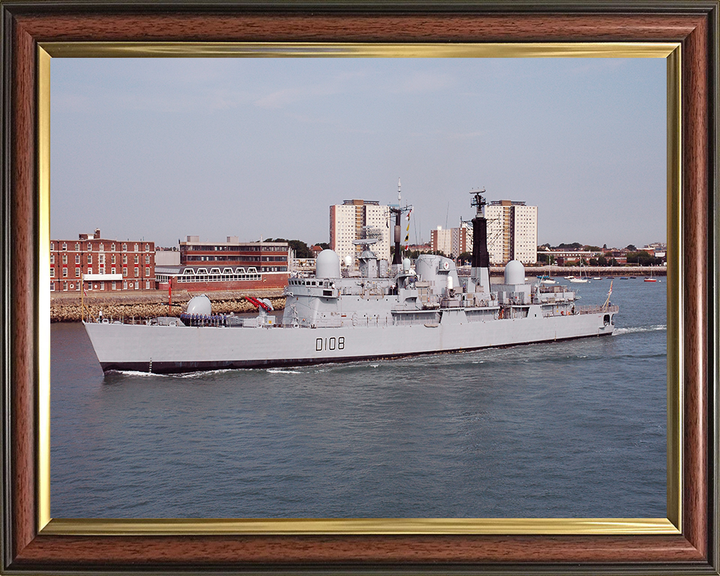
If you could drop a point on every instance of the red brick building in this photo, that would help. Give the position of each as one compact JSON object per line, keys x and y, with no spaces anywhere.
{"x":92,"y":254}
{"x":231,"y":265}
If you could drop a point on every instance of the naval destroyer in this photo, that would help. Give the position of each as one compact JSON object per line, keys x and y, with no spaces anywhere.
{"x":389,"y":311}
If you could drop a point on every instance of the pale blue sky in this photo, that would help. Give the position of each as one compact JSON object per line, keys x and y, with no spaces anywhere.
{"x":163,"y":148}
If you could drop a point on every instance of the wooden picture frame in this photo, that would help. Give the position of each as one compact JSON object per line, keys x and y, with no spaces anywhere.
{"x":29,"y":545}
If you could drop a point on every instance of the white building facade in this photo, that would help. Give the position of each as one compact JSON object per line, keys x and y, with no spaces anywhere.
{"x":356,"y":220}
{"x":462,"y":240}
{"x":451,"y":241}
{"x":441,"y":240}
{"x":512,"y":231}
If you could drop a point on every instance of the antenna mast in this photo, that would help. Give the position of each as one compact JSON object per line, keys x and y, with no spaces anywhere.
{"x":478,"y":201}
{"x":480,"y":269}
{"x":397,"y":233}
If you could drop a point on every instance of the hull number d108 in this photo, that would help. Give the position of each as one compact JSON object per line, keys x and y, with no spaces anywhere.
{"x":330,"y":343}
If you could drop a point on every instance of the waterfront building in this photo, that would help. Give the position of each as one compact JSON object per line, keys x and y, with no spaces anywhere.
{"x":563,"y":257}
{"x":452,"y":241}
{"x":357,"y":220}
{"x":93,"y":254}
{"x":512,"y":231}
{"x":441,"y":240}
{"x":230,"y":265}
{"x":167,"y":256}
{"x":462,"y":240}
{"x":303,"y":267}
{"x":657,"y":249}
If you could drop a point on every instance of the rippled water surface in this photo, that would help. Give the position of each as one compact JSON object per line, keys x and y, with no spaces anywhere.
{"x":567,"y":429}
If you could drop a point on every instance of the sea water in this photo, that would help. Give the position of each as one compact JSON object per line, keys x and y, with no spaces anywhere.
{"x":563,"y":429}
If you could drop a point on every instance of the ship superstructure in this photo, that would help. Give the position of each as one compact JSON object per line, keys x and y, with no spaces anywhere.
{"x":402,"y":309}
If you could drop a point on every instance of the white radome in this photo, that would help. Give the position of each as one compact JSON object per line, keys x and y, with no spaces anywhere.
{"x":327,"y":265}
{"x":514,"y":272}
{"x":199,"y":305}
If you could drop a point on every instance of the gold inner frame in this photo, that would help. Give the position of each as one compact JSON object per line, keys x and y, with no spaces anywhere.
{"x":671,"y":51}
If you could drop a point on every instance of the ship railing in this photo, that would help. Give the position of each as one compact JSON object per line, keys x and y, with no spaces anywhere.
{"x":597,"y":309}
{"x":553,"y":289}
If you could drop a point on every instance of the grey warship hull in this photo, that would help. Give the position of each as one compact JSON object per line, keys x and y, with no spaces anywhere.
{"x":168,"y":349}
{"x":410,"y":309}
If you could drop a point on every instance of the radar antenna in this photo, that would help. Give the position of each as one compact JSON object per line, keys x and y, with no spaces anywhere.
{"x":371,"y":235}
{"x":478,"y":201}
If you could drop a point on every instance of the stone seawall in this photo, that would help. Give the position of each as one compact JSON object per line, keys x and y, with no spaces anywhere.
{"x":65,"y":307}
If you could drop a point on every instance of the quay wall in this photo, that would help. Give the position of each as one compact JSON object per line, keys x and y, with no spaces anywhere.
{"x":65,"y":306}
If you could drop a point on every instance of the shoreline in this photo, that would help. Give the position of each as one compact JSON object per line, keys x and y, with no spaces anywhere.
{"x":606,"y":271}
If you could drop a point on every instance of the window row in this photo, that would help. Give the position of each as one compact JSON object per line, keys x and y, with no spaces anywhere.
{"x":101,"y":259}
{"x":101,"y":247}
{"x":210,"y":248}
{"x":101,"y":270}
{"x":240,"y":258}
{"x":220,"y":278}
{"x":126,"y":285}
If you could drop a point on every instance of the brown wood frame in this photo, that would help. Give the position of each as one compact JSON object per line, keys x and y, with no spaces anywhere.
{"x":24,"y":24}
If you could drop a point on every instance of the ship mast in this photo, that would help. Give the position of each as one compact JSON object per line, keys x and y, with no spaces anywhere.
{"x":480,"y":270}
{"x":397,"y":230}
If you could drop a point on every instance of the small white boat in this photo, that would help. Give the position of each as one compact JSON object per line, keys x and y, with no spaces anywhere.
{"x":580,"y":279}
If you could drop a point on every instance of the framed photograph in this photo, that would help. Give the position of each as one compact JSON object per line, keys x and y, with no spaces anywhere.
{"x":682,"y":34}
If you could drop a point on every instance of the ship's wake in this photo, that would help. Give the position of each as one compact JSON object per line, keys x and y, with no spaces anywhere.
{"x":202,"y":374}
{"x":638,"y":329}
{"x":134,"y":373}
{"x":282,"y":371}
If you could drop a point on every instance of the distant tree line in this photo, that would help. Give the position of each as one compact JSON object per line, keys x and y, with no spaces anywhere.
{"x":643,"y":258}
{"x":585,"y":247}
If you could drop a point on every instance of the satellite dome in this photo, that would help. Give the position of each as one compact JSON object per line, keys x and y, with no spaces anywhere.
{"x":514,"y":272}
{"x":327,"y":265}
{"x":199,"y":305}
